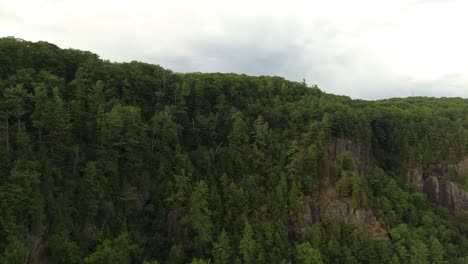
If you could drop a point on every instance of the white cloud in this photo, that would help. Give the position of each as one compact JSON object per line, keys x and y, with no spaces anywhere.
{"x":363,"y":48}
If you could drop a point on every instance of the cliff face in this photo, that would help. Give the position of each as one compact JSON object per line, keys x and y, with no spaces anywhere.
{"x":446,"y":193}
{"x":361,"y":154}
{"x":433,"y":183}
{"x":461,"y":167}
{"x":327,"y":205}
{"x":439,"y":189}
{"x":341,"y":209}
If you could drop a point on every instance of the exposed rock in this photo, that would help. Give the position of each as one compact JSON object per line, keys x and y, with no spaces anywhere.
{"x":328,"y":205}
{"x":360,"y":153}
{"x":439,"y":189}
{"x":342,"y":210}
{"x":446,"y":193}
{"x":461,"y":167}
{"x":416,"y":176}
{"x":37,"y":249}
{"x":307,"y":218}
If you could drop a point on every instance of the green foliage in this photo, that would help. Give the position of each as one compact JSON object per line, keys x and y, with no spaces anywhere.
{"x":419,"y":253}
{"x":461,"y":179}
{"x":306,"y":254}
{"x":199,"y":216}
{"x":199,"y":261}
{"x":176,"y":255}
{"x":344,"y":163}
{"x":64,"y":250}
{"x":247,"y":245}
{"x":436,"y":251}
{"x":151,"y":262}
{"x":214,"y":167}
{"x":344,"y":186}
{"x":356,"y":186}
{"x":14,"y":253}
{"x":222,"y":252}
{"x":111,"y":251}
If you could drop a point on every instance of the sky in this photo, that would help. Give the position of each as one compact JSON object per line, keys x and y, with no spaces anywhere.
{"x":366,"y":49}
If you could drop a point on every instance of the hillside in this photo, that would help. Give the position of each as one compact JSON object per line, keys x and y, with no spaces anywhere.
{"x":105,"y":162}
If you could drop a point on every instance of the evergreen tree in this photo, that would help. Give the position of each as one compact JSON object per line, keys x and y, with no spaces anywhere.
{"x":111,"y":251}
{"x":222,"y":251}
{"x":14,"y":253}
{"x":199,"y":216}
{"x":306,"y":254}
{"x":419,"y":253}
{"x":436,"y":251}
{"x":247,"y":246}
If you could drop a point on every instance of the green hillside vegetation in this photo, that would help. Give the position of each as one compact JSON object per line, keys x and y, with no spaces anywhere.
{"x":105,"y":162}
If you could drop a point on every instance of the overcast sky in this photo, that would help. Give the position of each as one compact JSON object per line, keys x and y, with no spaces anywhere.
{"x":367,"y":49}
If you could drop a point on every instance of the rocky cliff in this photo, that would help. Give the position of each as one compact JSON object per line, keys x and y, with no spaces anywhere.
{"x":341,"y":209}
{"x":446,"y":193}
{"x":361,"y":154}
{"x":440,"y":190}
{"x":327,"y":205}
{"x":432,"y":182}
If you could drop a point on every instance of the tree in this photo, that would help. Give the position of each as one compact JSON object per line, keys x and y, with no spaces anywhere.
{"x":165,"y":132}
{"x":111,"y":251}
{"x":14,"y":106}
{"x":261,"y":135}
{"x":49,"y":117}
{"x":199,"y":216}
{"x":222,"y":251}
{"x":90,"y":192}
{"x":151,"y":262}
{"x":419,"y":253}
{"x":64,"y":250}
{"x":306,"y":254}
{"x":436,"y":251}
{"x":14,"y":253}
{"x":199,"y":261}
{"x":121,"y":146}
{"x":247,"y":246}
{"x":360,"y":194}
{"x":176,"y":255}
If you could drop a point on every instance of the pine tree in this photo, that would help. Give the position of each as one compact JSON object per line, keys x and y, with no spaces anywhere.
{"x":419,"y":253}
{"x":306,"y":254}
{"x":436,"y":251}
{"x":14,"y":253}
{"x":13,"y":109}
{"x":111,"y":251}
{"x":199,"y":216}
{"x":247,"y":246}
{"x":222,"y":251}
{"x":90,"y":192}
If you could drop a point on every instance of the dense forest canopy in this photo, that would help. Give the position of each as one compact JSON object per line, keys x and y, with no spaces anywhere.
{"x":105,"y":162}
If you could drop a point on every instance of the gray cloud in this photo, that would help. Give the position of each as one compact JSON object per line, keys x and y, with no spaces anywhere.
{"x":372,"y":54}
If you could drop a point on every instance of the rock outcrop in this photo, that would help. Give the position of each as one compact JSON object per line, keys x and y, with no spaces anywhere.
{"x":361,"y":154}
{"x":327,"y":205}
{"x":446,"y":193}
{"x":461,"y":167}
{"x":435,"y":185}
{"x":342,"y":210}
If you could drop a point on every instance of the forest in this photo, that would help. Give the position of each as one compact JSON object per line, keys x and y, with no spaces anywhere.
{"x":104,"y":162}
